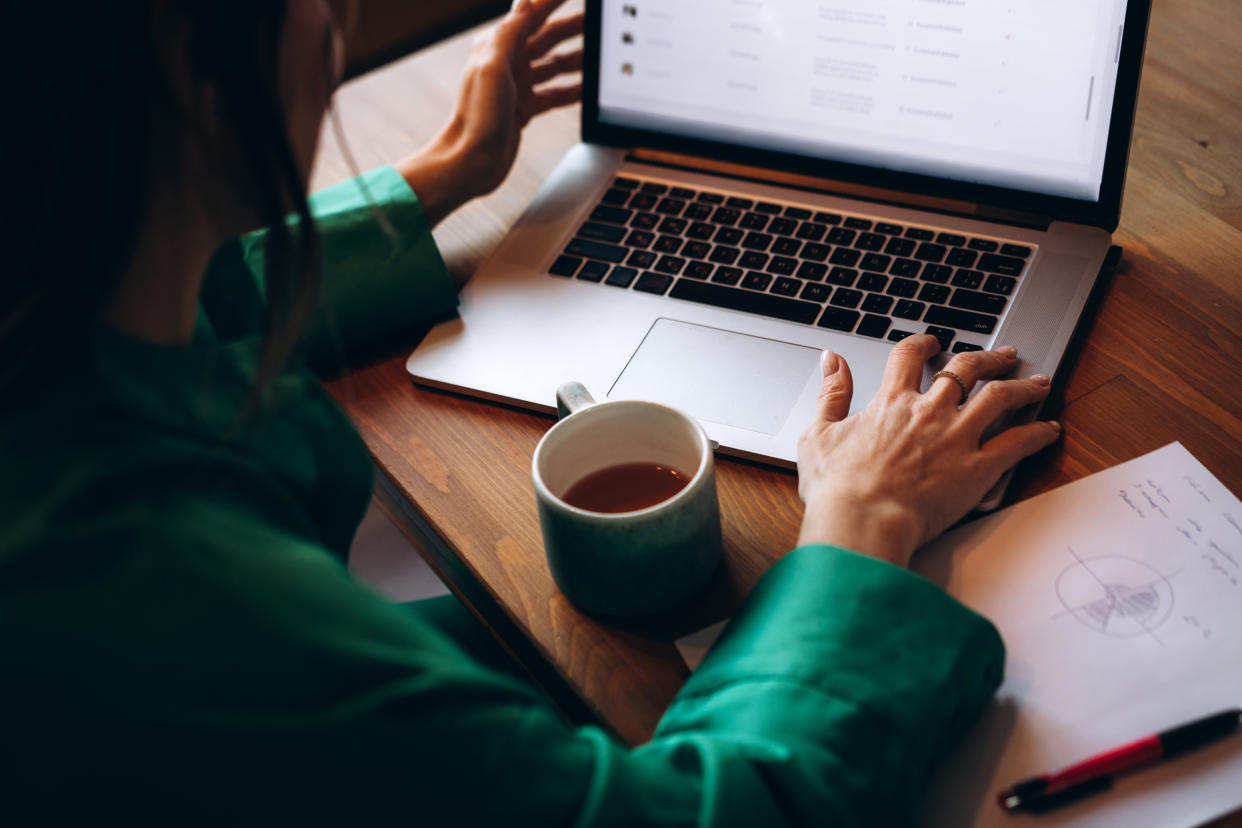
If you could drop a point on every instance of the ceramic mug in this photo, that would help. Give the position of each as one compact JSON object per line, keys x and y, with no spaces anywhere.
{"x":626,"y":564}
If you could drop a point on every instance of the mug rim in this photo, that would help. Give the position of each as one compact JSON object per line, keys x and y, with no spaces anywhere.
{"x":697,"y":480}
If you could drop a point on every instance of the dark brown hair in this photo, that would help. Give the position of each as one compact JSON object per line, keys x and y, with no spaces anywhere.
{"x":91,"y":103}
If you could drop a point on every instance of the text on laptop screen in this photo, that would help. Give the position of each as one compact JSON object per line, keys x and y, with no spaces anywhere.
{"x":1009,"y":93}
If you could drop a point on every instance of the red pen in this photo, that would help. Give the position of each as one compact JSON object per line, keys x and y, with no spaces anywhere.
{"x":1043,"y":793}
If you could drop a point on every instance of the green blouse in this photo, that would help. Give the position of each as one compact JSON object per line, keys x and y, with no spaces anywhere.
{"x":181,"y":641}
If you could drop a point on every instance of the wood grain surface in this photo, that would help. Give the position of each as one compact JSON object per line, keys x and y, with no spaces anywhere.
{"x":1160,"y":359}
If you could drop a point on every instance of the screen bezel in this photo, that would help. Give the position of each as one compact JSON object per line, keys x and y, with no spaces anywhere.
{"x":1105,"y":212}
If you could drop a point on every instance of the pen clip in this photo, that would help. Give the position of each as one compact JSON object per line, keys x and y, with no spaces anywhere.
{"x":1038,"y":803}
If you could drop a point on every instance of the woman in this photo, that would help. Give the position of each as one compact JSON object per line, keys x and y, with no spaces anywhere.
{"x":181,"y":640}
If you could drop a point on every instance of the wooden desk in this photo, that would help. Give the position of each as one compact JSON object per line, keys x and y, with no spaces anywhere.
{"x":1160,"y":360}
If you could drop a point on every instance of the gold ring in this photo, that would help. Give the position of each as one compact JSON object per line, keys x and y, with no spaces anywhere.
{"x":960,"y":383}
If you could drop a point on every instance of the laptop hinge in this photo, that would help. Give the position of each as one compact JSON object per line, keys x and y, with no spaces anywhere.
{"x":841,"y":188}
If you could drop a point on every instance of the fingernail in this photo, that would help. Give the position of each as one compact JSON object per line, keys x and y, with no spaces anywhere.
{"x":1041,"y":379}
{"x":1009,"y":351}
{"x":1056,"y":426}
{"x":830,"y":363}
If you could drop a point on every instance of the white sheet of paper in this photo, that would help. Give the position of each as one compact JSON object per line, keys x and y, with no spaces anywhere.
{"x":1119,"y":597}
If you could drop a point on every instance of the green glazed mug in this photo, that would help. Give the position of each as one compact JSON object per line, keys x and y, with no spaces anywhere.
{"x":626,"y":564}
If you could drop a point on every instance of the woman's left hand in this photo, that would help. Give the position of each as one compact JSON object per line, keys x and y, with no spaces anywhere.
{"x":513,"y":75}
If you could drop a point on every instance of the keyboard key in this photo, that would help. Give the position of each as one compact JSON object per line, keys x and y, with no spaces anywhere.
{"x":701,"y":231}
{"x":756,"y":280}
{"x":873,"y":325}
{"x":621,"y":277}
{"x":724,"y":255}
{"x":671,"y":207}
{"x":612,"y":215}
{"x":870,"y":241}
{"x":667,"y":244}
{"x":785,"y":246}
{"x":596,"y":250}
{"x":682,"y":192}
{"x":697,"y":211}
{"x":757,"y":241}
{"x":593,"y":271}
{"x":858,"y":223}
{"x":896,"y":335}
{"x":815,"y":252}
{"x":740,"y":203}
{"x":873,"y":281}
{"x":639,"y":239}
{"x":840,"y":235}
{"x":782,"y":227}
{"x":673,"y":226}
{"x":1004,"y":265}
{"x":905,"y":268}
{"x":937,"y":294}
{"x":653,"y":187}
{"x":945,"y":335}
{"x":845,"y":256}
{"x":754,"y":221}
{"x":843,"y":276}
{"x":810,"y":231}
{"x":972,"y":279}
{"x":815,"y":292}
{"x":875,"y":303}
{"x":726,"y":216}
{"x":889,"y":229}
{"x":769,"y":208}
{"x":1021,"y":251}
{"x":950,"y":239}
{"x":929,"y":252}
{"x":961,"y":257}
{"x":964,"y":347}
{"x":645,"y":221}
{"x":784,"y":286}
{"x":565,"y":266}
{"x":839,"y":319}
{"x":827,"y":218}
{"x":937,"y":273}
{"x":625,"y":183}
{"x":875,"y":261}
{"x":900,"y":247}
{"x":903,"y":288}
{"x":696,"y":250}
{"x":797,"y":213}
{"x":783,"y":266}
{"x":919,"y":234}
{"x":653,"y":283}
{"x":975,"y":301}
{"x":846,"y":298}
{"x":812,"y":270}
{"x":907,"y":309}
{"x":727,"y":275}
{"x":643,"y":201}
{"x":729,"y":236}
{"x":764,"y":304}
{"x":641,"y":259}
{"x":1000,"y":284}
{"x":752,"y":260}
{"x":698,"y":270}
{"x":983,"y":245}
{"x":711,"y":198}
{"x":616,"y":197}
{"x":960,"y":319}
{"x":670,"y":264}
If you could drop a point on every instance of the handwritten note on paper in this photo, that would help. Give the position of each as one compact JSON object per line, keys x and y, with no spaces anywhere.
{"x":1119,"y":598}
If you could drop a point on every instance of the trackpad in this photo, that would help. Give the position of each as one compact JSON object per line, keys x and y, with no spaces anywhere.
{"x":719,"y":376}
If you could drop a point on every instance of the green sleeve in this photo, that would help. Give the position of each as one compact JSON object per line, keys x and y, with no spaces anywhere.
{"x":275,"y":684}
{"x":374,"y":285}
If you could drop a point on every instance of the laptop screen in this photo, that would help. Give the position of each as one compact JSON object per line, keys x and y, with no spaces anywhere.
{"x":1015,"y":94}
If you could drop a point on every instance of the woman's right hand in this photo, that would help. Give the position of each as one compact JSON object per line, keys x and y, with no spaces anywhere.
{"x":892,"y":477}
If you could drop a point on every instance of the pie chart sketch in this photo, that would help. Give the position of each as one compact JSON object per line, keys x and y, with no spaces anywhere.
{"x":1115,"y":595}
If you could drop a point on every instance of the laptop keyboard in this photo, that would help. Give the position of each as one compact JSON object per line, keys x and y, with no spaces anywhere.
{"x":845,"y":273}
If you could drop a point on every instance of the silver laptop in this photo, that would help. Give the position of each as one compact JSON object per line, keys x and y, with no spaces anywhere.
{"x":759,"y":181}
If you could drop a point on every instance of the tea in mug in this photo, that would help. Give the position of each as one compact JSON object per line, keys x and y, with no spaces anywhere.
{"x":626,"y":487}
